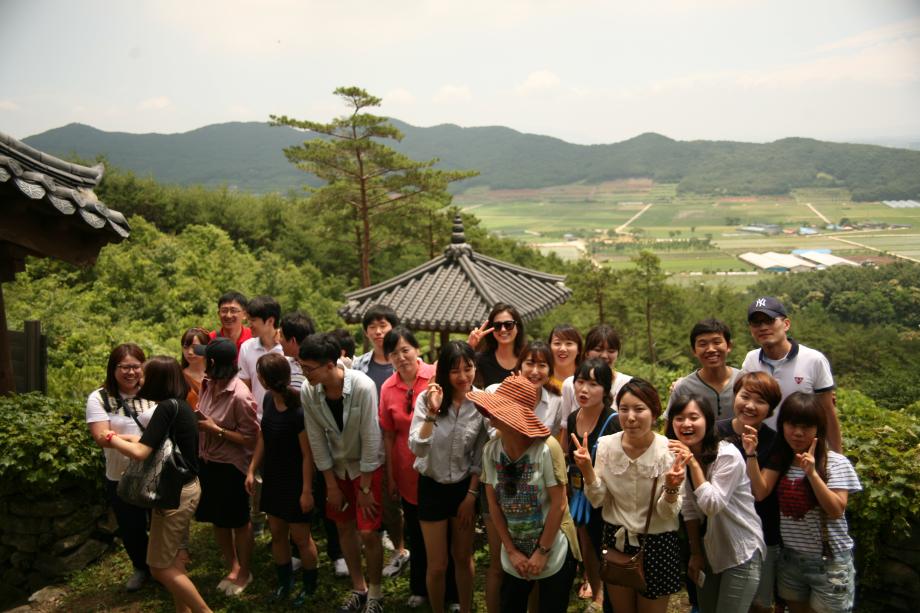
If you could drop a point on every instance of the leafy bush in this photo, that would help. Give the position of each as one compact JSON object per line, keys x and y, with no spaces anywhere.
{"x":45,"y":447}
{"x":884,"y":446}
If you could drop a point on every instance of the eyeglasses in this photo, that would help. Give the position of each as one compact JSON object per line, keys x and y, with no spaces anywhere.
{"x":507,"y":325}
{"x":230,"y":311}
{"x":308,"y":369}
{"x":129,"y":367}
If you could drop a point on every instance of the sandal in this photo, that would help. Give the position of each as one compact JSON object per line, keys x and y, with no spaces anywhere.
{"x":585,"y":592}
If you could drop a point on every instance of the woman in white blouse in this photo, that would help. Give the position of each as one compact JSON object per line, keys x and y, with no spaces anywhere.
{"x":719,"y":489}
{"x":628,"y":465}
{"x":447,"y":435}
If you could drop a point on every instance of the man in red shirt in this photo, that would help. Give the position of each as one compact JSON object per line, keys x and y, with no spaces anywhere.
{"x":231,"y":308}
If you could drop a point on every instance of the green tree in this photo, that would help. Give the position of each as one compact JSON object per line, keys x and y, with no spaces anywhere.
{"x":647,"y":281}
{"x":372,"y":181}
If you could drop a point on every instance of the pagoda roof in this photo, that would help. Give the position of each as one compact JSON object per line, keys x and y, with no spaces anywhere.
{"x":456,"y":291}
{"x":49,"y":207}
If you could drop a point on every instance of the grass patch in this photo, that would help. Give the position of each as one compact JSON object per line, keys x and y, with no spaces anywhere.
{"x":99,"y":587}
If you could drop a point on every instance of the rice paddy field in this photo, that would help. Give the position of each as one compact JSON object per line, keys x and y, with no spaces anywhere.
{"x":573,"y":220}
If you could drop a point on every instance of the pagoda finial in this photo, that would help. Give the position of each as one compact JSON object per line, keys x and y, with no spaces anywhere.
{"x":458,"y":245}
{"x":457,"y":237}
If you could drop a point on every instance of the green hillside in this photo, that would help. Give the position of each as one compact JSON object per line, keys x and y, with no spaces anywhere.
{"x":248,"y":156}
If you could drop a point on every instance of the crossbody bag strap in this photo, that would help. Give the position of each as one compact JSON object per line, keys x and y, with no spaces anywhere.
{"x":648,"y":516}
{"x":600,"y":434}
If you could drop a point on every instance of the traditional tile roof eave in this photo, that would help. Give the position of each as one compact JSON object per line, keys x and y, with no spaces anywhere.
{"x":68,"y":188}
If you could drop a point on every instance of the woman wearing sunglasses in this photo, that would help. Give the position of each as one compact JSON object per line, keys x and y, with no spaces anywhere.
{"x":193,"y":365}
{"x":397,"y":403}
{"x":498,"y":343}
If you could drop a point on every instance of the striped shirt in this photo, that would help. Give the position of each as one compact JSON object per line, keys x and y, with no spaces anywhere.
{"x":800,"y":517}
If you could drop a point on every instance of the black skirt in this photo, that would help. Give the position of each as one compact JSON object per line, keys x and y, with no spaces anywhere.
{"x":440,"y":501}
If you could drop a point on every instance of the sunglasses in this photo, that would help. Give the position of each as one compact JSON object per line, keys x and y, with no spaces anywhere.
{"x":509,"y":487}
{"x":507,"y":325}
{"x":409,"y":393}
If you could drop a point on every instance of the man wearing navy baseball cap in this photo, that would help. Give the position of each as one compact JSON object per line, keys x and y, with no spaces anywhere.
{"x":796,"y":367}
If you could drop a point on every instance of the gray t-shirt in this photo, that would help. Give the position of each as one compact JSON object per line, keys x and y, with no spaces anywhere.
{"x":722,"y":401}
{"x":379,"y":373}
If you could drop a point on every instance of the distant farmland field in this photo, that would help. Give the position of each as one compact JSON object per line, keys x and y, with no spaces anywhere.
{"x":543,"y":217}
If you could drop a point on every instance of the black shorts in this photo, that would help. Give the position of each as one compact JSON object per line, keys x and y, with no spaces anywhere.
{"x":661,"y":560}
{"x":224,"y":501}
{"x":440,"y":501}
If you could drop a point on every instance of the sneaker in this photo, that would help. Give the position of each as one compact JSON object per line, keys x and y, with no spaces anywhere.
{"x":453,"y":607}
{"x":397,"y":564}
{"x":354,"y":601}
{"x":374,"y":605}
{"x":341,"y":568}
{"x":296,"y":564}
{"x":387,"y":543}
{"x":415,"y":601}
{"x":137,"y":580}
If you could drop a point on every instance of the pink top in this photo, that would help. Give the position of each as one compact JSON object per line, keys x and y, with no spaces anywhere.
{"x":229,"y":403}
{"x":396,"y":410}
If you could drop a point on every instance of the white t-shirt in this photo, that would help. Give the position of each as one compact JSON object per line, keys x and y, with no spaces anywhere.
{"x":568,"y":395}
{"x":802,"y":370}
{"x":250,"y":352}
{"x":800,"y":518}
{"x":120,"y":422}
{"x":521,"y":490}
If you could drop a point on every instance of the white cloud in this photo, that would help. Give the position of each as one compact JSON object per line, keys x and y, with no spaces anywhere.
{"x":8,"y":105}
{"x":154,"y":104}
{"x":398,"y":96}
{"x":538,"y":81}
{"x":901,"y":30}
{"x":453,"y":93}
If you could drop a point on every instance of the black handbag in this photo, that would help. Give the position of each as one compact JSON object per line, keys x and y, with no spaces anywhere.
{"x":619,"y":568}
{"x":157,"y":481}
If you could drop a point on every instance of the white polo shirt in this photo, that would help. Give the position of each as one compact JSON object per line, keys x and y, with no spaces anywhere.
{"x":250,"y":352}
{"x":802,"y":370}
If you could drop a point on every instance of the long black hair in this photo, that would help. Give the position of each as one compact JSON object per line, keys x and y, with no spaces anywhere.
{"x":489,"y":343}
{"x":710,"y":446}
{"x":802,"y":409}
{"x":452,"y":355}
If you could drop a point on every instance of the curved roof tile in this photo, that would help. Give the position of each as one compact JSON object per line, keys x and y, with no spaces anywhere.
{"x":65,"y":186}
{"x":454,"y":292}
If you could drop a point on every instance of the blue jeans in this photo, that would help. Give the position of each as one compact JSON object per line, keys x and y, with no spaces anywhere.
{"x":826,"y":585}
{"x":731,"y":590}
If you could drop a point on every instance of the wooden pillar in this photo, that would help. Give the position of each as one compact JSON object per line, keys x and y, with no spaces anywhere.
{"x":445,"y":338}
{"x":7,"y":382}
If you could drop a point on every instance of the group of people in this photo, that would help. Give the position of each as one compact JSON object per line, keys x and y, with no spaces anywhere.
{"x":743,"y":495}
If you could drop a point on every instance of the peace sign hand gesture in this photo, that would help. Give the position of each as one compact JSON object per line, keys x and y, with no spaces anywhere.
{"x":581,"y":454}
{"x":806,"y":460}
{"x":675,"y":476}
{"x":749,"y":440}
{"x":477,"y":335}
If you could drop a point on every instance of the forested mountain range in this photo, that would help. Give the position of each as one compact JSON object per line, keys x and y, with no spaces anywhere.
{"x":248,"y":156}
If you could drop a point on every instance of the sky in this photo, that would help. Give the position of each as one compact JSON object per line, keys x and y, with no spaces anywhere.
{"x":585,"y":71}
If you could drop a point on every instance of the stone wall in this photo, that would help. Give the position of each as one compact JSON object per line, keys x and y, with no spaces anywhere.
{"x":896,"y":586}
{"x":43,"y":539}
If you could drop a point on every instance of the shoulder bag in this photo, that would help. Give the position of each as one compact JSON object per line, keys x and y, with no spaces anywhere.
{"x":619,"y":568}
{"x":157,"y":481}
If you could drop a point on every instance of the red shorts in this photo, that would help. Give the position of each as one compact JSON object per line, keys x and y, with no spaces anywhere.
{"x":350,"y":488}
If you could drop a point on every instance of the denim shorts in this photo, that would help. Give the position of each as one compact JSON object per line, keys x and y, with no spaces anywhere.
{"x":826,"y":585}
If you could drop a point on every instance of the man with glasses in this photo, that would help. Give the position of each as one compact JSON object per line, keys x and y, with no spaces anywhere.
{"x":340,"y":417}
{"x":231,"y":308}
{"x":796,"y":367}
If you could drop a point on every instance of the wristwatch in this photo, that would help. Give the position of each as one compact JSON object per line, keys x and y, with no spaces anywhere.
{"x":365,"y":489}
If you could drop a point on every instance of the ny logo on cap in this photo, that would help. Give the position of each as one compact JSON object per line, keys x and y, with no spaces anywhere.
{"x":761,"y":302}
